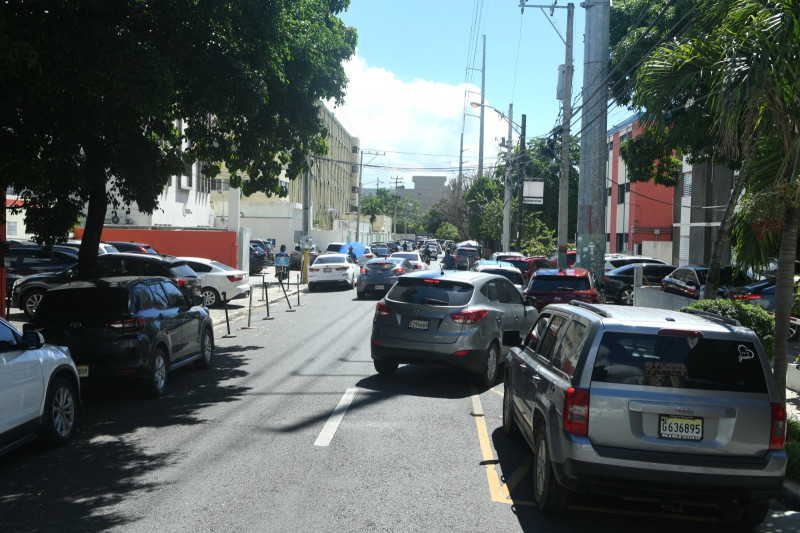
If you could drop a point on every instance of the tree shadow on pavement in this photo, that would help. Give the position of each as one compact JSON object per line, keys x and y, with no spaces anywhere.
{"x":72,"y":488}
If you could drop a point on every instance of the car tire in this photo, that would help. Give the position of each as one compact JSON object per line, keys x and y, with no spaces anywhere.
{"x":210,"y":296}
{"x":385,"y":367}
{"x":311,"y":287}
{"x":550,"y":496}
{"x":510,"y":427}
{"x":60,"y":413}
{"x":360,"y":295}
{"x":156,"y":380}
{"x":625,"y":296}
{"x":30,"y":301}
{"x":206,"y":348}
{"x":488,"y":375}
{"x":749,"y":515}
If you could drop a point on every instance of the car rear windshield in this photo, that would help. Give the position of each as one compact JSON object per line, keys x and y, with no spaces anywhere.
{"x":431,"y":292}
{"x":462,"y":252}
{"x":556,"y":283}
{"x":82,"y":302}
{"x":182,"y":270}
{"x":411,"y":256}
{"x":334,"y":247}
{"x":510,"y":275}
{"x":383,"y":265}
{"x":324,"y":259}
{"x":679,"y":362}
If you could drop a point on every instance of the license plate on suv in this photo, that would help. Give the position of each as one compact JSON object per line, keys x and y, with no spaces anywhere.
{"x":680,"y":427}
{"x":416,"y":323}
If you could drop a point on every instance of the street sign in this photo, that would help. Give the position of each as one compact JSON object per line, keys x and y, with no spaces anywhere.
{"x":533,"y":192}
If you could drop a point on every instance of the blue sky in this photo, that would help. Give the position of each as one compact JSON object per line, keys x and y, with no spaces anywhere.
{"x":410,"y":84}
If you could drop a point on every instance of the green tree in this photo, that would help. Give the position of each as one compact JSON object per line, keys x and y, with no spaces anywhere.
{"x":447,"y":231}
{"x":91,"y":93}
{"x":483,"y":191}
{"x":751,"y":91}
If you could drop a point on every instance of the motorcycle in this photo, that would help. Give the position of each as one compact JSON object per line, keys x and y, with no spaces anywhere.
{"x":282,"y":272}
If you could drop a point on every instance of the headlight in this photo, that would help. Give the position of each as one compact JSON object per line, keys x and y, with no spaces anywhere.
{"x":17,"y":282}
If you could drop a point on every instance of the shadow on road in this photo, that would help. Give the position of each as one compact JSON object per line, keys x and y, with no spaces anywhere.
{"x":69,"y":489}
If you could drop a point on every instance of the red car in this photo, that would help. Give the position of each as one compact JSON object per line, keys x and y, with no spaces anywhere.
{"x":552,"y":285}
{"x":572,"y":256}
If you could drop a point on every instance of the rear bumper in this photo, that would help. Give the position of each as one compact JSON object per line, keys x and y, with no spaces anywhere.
{"x":471,"y":362}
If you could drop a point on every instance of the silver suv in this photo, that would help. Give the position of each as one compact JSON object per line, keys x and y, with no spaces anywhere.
{"x":648,"y":404}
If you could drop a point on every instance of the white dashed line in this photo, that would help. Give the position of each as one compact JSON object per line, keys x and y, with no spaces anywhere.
{"x":326,"y":435}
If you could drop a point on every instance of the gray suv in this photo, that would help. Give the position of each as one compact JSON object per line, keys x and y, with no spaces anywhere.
{"x":648,"y":404}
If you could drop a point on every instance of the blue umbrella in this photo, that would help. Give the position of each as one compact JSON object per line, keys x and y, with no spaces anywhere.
{"x":358,"y":248}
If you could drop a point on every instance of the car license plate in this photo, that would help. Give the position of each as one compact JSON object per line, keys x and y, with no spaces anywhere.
{"x":680,"y":427}
{"x":379,"y":287}
{"x":415,"y":323}
{"x":83,"y":371}
{"x":326,"y":269}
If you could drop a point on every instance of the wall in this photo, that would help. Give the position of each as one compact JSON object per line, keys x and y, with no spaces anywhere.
{"x":658,"y":250}
{"x":218,"y":245}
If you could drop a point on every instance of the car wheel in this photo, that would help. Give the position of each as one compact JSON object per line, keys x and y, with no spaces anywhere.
{"x":31,"y":301}
{"x":156,"y":380}
{"x":509,"y":424}
{"x":385,"y":367}
{"x":210,"y":297}
{"x":311,"y":287}
{"x":488,"y":376}
{"x":549,"y":495}
{"x":360,"y":295}
{"x":206,"y":348}
{"x":625,"y":296}
{"x":60,"y":413}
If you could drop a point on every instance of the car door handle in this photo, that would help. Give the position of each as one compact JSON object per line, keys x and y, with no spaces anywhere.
{"x":498,"y":319}
{"x":536,"y":378}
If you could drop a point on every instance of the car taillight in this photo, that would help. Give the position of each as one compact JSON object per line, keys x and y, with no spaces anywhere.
{"x":576,"y":411}
{"x":363,"y":270}
{"x":315,"y":269}
{"x":143,"y":249}
{"x":458,"y":257}
{"x":418,"y":267}
{"x":382,"y":309}
{"x":340,"y":269}
{"x":234,"y":278}
{"x":400,"y":270}
{"x":747,"y":296}
{"x":180,"y":282}
{"x":605,"y":278}
{"x":126,"y":325}
{"x":777,"y":438}
{"x":468,"y":317}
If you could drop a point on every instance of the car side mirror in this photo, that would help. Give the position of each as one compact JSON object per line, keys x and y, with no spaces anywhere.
{"x":32,"y":340}
{"x":512,"y":338}
{"x":197,"y":299}
{"x":530,"y":301}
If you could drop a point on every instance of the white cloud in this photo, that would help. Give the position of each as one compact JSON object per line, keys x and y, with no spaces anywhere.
{"x":417,"y":117}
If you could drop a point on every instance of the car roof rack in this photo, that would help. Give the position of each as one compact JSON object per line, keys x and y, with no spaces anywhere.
{"x":593,"y":308}
{"x":712,"y":316}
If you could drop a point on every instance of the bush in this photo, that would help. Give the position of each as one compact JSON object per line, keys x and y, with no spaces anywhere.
{"x":750,"y":316}
{"x":793,"y":449}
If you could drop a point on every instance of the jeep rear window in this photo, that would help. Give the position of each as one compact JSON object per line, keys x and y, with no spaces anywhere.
{"x":182,"y":270}
{"x":679,"y":362}
{"x":86,"y":301}
{"x":554,"y":283}
{"x":431,"y":292}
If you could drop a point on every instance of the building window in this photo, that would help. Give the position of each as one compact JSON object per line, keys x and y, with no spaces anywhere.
{"x":687,"y":184}
{"x":620,"y":245}
{"x":608,"y":192}
{"x":621,"y":193}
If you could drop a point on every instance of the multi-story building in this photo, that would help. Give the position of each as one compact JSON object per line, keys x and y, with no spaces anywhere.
{"x":638,"y":215}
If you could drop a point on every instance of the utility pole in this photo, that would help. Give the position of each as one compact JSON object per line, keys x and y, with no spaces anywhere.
{"x":483,"y":107}
{"x":507,"y":181}
{"x":394,"y":213}
{"x":306,"y":214}
{"x":566,"y":137}
{"x":520,"y":185}
{"x":591,"y":241}
{"x":461,"y":162}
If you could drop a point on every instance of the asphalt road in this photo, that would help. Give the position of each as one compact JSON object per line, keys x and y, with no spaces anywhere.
{"x":257,"y":443}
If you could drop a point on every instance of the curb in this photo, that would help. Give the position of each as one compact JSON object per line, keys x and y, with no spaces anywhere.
{"x":789,"y":494}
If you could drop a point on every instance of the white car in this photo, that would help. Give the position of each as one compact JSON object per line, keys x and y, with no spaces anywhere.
{"x":414,"y":257}
{"x":333,"y":269}
{"x":39,"y":390}
{"x":217,"y":278}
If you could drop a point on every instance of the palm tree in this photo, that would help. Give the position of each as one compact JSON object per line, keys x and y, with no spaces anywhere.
{"x":748,"y":70}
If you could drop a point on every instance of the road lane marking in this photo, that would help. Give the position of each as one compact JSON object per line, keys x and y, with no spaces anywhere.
{"x":329,"y":429}
{"x":499,"y":393}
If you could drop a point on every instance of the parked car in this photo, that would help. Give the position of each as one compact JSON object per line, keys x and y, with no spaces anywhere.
{"x":27,"y":258}
{"x":504,"y":256}
{"x":690,"y":280}
{"x":465,"y":256}
{"x":335,"y":247}
{"x":265,"y":246}
{"x":647,"y":404}
{"x":28,"y":292}
{"x":619,"y":260}
{"x":296,"y":257}
{"x":217,"y":279}
{"x":416,"y":260}
{"x":379,"y":251}
{"x":102,"y":249}
{"x":762,"y":294}
{"x":133,"y":247}
{"x":333,"y":269}
{"x":454,"y":319}
{"x":143,"y":327}
{"x":562,"y":285}
{"x":390,"y":246}
{"x":258,"y":259}
{"x":505,"y":269}
{"x":39,"y":390}
{"x":619,"y":282}
{"x":572,"y":257}
{"x":378,"y":275}
{"x":534,"y":264}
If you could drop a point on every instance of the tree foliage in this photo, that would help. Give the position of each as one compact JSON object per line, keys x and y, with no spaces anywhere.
{"x":447,"y":231}
{"x":92,"y":91}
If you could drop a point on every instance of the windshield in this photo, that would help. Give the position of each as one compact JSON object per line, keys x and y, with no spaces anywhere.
{"x":431,"y":292}
{"x":554,"y":283}
{"x":325,"y":259}
{"x":510,"y":275}
{"x":87,"y":301}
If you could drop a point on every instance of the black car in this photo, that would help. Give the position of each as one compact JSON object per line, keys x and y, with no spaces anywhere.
{"x":133,"y":247}
{"x":140,"y":327}
{"x":28,"y":292}
{"x":27,"y":259}
{"x":690,"y":280}
{"x":258,"y":259}
{"x":296,"y":257}
{"x":619,"y":282}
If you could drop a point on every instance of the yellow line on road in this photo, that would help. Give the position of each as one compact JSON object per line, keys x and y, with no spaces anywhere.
{"x":499,"y":393}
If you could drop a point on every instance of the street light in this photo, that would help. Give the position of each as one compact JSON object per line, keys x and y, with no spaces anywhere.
{"x":506,"y":237}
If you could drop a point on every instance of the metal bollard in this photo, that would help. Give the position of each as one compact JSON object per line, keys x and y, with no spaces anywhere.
{"x":266,"y":292}
{"x":227,"y":319}
{"x":263,"y":285}
{"x":298,"y":290}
